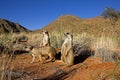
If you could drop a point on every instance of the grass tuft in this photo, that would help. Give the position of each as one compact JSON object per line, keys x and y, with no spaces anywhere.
{"x":104,"y":48}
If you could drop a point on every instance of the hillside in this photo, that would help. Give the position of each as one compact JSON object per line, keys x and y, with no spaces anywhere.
{"x":89,"y":64}
{"x":75,"y":24}
{"x":7,"y":26}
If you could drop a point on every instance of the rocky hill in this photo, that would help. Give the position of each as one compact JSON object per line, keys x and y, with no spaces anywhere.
{"x":7,"y":26}
{"x":70,"y":23}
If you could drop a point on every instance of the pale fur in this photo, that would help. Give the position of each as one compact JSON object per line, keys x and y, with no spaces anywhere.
{"x":42,"y":52}
{"x":45,"y":39}
{"x":67,"y":50}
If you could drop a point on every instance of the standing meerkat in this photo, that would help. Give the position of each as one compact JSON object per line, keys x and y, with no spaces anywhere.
{"x":45,"y":39}
{"x":67,"y":55}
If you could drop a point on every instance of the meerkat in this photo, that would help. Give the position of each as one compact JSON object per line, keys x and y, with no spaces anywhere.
{"x":45,"y":39}
{"x":67,"y":55}
{"x":42,"y":53}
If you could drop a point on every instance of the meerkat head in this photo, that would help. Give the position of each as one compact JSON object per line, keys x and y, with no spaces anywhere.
{"x":45,"y":32}
{"x":28,"y":47}
{"x":69,"y":36}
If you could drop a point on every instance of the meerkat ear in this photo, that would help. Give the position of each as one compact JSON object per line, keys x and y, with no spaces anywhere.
{"x":42,"y":32}
{"x":65,"y":34}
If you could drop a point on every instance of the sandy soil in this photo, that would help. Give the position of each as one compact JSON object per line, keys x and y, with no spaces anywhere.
{"x":90,"y":69}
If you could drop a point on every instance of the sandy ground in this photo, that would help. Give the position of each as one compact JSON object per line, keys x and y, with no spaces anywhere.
{"x":90,"y":69}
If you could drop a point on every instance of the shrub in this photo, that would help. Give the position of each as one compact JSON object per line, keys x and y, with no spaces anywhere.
{"x":82,"y":43}
{"x":104,"y":48}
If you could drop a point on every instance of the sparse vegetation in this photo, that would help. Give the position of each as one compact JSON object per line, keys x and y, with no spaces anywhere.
{"x":91,"y":37}
{"x":5,"y":60}
{"x":11,"y":27}
{"x":112,"y":14}
{"x":81,"y":43}
{"x":104,"y":48}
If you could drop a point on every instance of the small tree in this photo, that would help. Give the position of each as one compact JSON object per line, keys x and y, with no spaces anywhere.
{"x":112,"y":14}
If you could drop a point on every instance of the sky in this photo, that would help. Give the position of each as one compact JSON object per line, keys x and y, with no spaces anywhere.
{"x":35,"y":14}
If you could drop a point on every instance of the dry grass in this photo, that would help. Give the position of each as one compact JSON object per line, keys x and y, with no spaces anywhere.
{"x":6,"y":55}
{"x":5,"y":61}
{"x":82,"y":42}
{"x":104,"y":48}
{"x":94,"y":26}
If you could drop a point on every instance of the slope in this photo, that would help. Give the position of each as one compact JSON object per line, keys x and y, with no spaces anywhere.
{"x":7,"y":26}
{"x":74,"y":24}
